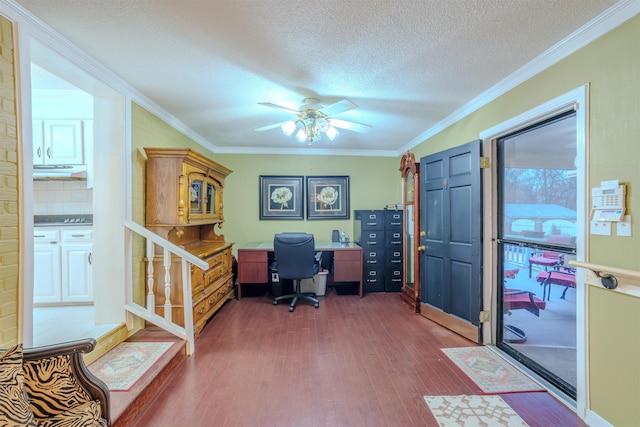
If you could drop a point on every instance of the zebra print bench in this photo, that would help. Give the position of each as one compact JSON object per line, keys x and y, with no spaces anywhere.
{"x":60,"y":390}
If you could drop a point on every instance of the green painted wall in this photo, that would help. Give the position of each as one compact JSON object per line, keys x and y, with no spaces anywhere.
{"x":373,"y":181}
{"x":611,"y":66}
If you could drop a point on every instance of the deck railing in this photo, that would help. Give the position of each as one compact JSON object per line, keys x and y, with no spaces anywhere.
{"x":147,"y":312}
{"x":517,"y":255}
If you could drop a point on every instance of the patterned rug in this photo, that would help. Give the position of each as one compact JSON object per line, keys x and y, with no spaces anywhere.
{"x":473,"y":411}
{"x":489,"y":371}
{"x":125,"y":364}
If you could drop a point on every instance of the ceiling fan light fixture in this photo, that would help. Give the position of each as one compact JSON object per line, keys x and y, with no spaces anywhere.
{"x":322,"y":124}
{"x":332,"y":133}
{"x":301,"y":136}
{"x":288,"y":127}
{"x":313,"y":120}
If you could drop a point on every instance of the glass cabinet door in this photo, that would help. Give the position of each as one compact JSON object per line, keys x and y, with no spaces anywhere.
{"x":195,"y":198}
{"x":210,"y":198}
{"x":204,"y":198}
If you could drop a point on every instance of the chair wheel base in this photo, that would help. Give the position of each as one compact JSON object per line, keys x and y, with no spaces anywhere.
{"x":316,"y":305}
{"x":514,"y":335}
{"x":275,"y":302}
{"x":291,"y":308}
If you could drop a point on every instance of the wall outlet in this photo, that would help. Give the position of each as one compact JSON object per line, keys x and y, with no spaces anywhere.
{"x":623,"y":228}
{"x":601,"y":228}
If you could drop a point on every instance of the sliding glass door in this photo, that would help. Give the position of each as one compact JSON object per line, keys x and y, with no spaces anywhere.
{"x":537,"y":238}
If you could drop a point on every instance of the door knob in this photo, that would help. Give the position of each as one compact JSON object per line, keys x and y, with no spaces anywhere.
{"x":422,"y":248}
{"x":422,"y":234}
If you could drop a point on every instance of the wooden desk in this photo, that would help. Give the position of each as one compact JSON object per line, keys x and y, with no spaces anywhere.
{"x":253,"y":263}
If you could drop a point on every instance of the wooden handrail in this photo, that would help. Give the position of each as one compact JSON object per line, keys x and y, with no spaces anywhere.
{"x":601,"y":269}
{"x":601,"y":275}
{"x":166,"y":322}
{"x":166,"y":244}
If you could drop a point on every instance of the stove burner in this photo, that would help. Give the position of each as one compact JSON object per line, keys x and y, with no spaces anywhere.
{"x":74,"y":220}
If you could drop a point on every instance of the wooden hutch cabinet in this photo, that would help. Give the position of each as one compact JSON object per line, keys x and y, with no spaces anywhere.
{"x":184,"y":205}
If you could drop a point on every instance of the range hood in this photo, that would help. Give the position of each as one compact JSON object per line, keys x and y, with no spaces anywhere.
{"x":60,"y":172}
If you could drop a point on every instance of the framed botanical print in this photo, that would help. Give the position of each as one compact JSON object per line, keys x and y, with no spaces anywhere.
{"x":327,"y":197}
{"x":281,"y":197}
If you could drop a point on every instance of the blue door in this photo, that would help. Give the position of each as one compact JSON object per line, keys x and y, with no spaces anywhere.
{"x":451,"y":239}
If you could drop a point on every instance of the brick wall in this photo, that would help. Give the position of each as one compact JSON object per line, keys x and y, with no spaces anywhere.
{"x":9,"y":215}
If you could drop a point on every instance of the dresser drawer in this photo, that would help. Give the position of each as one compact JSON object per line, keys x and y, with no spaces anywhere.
{"x":219,"y":294}
{"x":199,"y":310}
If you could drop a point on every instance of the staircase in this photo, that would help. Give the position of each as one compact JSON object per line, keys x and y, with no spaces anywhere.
{"x":127,"y":407}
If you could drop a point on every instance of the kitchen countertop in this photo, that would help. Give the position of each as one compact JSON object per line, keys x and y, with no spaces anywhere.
{"x":73,"y":220}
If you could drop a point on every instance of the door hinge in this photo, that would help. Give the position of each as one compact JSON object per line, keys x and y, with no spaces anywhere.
{"x":485,"y":163}
{"x":485,"y":316}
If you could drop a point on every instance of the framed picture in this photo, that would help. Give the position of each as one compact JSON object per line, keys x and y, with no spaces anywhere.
{"x":327,"y":197}
{"x":281,"y":197}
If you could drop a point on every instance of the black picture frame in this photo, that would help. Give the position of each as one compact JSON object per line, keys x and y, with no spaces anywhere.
{"x":281,"y":197}
{"x":328,"y":197}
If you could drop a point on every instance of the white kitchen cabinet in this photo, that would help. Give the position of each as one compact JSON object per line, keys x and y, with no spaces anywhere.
{"x":38,"y":142}
{"x":77,"y":266}
{"x":63,"y":266}
{"x":58,"y":142}
{"x":46,"y":261}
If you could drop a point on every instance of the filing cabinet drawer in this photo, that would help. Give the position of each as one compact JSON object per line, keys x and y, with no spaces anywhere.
{"x":373,"y":279}
{"x":372,"y":238}
{"x":393,"y":280}
{"x":393,"y":239}
{"x":373,"y":257}
{"x":371,"y":220}
{"x":393,"y":220}
{"x":393,"y":258}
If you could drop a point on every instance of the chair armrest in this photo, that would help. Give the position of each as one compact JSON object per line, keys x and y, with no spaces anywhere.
{"x":60,"y":370}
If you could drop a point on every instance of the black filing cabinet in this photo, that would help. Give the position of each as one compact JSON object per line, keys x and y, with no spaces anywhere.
{"x":379,"y":232}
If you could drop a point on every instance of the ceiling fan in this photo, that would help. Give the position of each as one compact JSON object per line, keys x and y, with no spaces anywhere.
{"x":314,"y":119}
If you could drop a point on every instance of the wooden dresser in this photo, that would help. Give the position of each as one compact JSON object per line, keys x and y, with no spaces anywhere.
{"x":184,"y":204}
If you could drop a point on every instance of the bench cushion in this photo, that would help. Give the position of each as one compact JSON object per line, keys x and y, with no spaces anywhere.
{"x":14,"y":401}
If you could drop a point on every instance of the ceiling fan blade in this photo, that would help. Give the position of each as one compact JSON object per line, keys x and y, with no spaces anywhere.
{"x":273,"y":126}
{"x":356,"y":127}
{"x":338,"y":107}
{"x":279,"y":107}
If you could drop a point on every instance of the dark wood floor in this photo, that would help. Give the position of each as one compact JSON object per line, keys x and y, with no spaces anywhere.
{"x":351,"y":362}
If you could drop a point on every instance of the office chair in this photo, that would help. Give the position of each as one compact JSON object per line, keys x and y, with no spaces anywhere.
{"x":295,"y":258}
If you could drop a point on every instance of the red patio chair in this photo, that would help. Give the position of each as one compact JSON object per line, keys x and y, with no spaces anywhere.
{"x":515,"y":299}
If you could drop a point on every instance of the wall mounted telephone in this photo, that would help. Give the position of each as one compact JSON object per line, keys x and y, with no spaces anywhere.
{"x":608,"y":202}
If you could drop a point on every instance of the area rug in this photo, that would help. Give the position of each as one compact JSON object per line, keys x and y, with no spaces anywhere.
{"x":125,"y":364}
{"x":492,"y":373}
{"x":473,"y":411}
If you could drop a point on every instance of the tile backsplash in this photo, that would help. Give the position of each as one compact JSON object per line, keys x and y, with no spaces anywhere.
{"x":62,"y":197}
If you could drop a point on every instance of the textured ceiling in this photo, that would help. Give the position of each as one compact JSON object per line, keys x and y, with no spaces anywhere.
{"x":407,"y":64}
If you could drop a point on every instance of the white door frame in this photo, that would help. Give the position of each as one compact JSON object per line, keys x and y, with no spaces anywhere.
{"x":577,"y":100}
{"x":111,"y":179}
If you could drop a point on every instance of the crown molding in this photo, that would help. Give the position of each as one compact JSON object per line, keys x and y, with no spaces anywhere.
{"x":47,"y":36}
{"x":306,"y":151}
{"x":608,"y":20}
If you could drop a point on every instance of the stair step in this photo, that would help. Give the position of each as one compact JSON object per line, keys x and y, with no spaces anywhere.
{"x":127,"y":406}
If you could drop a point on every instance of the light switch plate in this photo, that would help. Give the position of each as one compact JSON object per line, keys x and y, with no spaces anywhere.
{"x":602,"y":228}
{"x":623,"y":228}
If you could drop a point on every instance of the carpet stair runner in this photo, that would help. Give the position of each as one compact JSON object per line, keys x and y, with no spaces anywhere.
{"x":128,"y":406}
